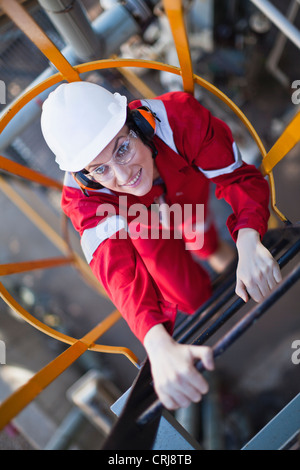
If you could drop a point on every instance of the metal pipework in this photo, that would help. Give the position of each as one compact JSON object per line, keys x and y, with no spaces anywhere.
{"x":274,"y":57}
{"x":72,"y":22}
{"x":91,"y":41}
{"x":114,"y":27}
{"x":102,"y":37}
{"x":279,"y":20}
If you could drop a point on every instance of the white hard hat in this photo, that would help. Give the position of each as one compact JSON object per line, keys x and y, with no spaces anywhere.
{"x":78,"y":121}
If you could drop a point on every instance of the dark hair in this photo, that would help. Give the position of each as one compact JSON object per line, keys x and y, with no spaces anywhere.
{"x":134,"y":124}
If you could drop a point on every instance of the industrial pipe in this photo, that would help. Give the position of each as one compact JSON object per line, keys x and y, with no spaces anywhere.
{"x":110,"y":30}
{"x":279,"y":20}
{"x":74,"y":26}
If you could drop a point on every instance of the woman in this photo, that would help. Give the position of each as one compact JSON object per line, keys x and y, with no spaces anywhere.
{"x":126,"y":165}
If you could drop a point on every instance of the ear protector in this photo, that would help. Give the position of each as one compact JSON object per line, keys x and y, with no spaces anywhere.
{"x":143,"y":121}
{"x":85,"y":183}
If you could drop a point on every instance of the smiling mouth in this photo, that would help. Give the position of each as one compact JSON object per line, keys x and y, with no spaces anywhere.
{"x":134,"y":180}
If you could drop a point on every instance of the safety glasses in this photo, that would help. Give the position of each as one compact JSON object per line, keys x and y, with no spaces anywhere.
{"x":122,"y":156}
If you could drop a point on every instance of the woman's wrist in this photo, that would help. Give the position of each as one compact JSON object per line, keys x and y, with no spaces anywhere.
{"x":156,"y":338}
{"x":246,"y":236}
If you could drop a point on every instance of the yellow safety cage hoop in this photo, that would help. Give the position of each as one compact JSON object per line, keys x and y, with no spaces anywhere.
{"x":174,"y":10}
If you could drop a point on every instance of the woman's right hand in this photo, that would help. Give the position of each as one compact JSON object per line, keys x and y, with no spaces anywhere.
{"x":176,"y":380}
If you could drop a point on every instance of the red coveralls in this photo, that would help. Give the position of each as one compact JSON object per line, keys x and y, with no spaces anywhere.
{"x":148,"y":279}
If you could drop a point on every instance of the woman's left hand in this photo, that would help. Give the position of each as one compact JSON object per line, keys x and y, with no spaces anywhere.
{"x":257,"y":272}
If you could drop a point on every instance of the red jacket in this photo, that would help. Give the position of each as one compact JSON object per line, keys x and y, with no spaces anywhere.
{"x":194,"y":148}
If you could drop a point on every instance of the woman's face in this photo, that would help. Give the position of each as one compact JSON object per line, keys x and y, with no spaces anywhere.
{"x":134,"y":177}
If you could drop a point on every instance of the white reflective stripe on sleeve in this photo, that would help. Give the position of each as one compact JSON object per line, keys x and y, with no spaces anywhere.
{"x":69,"y":181}
{"x":163,"y":128}
{"x":228,"y":169}
{"x":93,"y":237}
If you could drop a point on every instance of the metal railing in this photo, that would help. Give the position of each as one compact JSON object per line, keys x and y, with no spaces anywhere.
{"x":66,"y":71}
{"x":138,"y":423}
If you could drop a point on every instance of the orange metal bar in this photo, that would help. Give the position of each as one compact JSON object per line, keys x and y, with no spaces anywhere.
{"x":25,"y":394}
{"x":118,"y":63}
{"x":33,"y":216}
{"x":27,"y":173}
{"x":78,"y":263}
{"x":287,"y":140}
{"x":174,"y":11}
{"x":13,"y":268}
{"x":14,"y":305}
{"x":200,"y":81}
{"x":137,"y":83}
{"x":22,"y":397}
{"x":27,"y":96}
{"x":285,"y":143}
{"x":30,"y":94}
{"x":107,"y":323}
{"x":17,"y":401}
{"x":51,"y":234}
{"x":280,"y":215}
{"x":98,"y":65}
{"x":26,"y":23}
{"x":101,"y":328}
{"x":29,"y":391}
{"x":219,"y":94}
